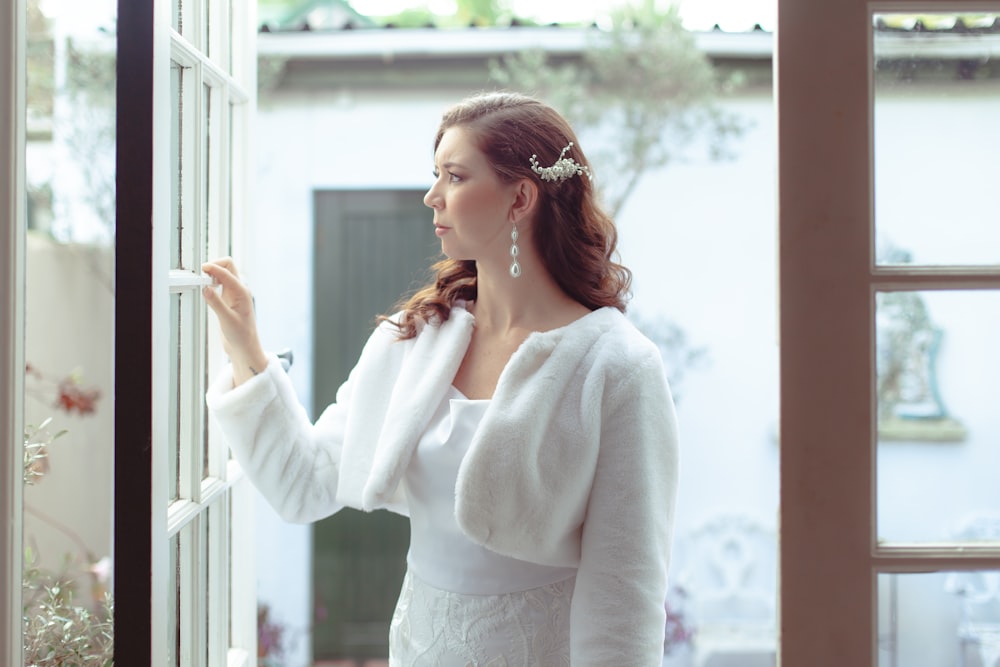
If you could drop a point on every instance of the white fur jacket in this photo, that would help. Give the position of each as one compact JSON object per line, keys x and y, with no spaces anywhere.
{"x":574,"y":462}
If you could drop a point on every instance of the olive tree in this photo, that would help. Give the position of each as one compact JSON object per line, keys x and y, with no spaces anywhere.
{"x":641,"y":92}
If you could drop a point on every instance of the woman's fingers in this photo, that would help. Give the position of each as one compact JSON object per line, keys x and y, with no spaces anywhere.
{"x":224,"y":273}
{"x":233,"y":306}
{"x":235,"y":294}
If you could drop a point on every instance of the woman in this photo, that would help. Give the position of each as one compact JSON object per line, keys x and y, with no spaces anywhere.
{"x":509,"y":409}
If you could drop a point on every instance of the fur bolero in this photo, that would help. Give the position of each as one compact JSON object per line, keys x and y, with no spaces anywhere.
{"x":574,"y":462}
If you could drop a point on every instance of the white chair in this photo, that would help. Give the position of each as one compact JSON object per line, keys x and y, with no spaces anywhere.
{"x":979,"y":592}
{"x":729,"y":568}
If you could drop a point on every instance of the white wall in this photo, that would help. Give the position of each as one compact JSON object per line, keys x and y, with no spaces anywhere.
{"x":70,"y":329}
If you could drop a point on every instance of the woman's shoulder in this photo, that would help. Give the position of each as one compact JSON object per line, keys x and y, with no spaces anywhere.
{"x":613,"y":334}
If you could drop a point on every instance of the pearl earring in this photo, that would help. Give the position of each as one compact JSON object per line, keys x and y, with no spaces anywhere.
{"x":515,"y":268}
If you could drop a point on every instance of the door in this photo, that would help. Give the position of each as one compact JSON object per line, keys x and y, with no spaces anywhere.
{"x":890,"y":293}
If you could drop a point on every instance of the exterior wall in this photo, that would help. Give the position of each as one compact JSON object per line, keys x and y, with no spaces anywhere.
{"x":70,"y":328}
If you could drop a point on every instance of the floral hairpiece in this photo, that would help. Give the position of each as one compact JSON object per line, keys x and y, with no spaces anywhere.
{"x":563,"y":168}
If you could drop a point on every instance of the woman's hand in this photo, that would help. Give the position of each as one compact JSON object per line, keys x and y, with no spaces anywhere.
{"x":233,"y":306}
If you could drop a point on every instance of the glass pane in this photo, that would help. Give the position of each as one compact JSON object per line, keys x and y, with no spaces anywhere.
{"x":937,"y":387}
{"x":176,"y":182}
{"x":229,"y":556}
{"x":204,"y":565}
{"x":941,"y":619}
{"x":174,"y":393}
{"x":228,"y":34}
{"x":226,"y":234}
{"x":174,"y":603}
{"x":176,"y":16}
{"x":936,"y":104}
{"x":68,"y":333}
{"x":206,"y":153}
{"x":208,"y":462}
{"x":206,"y":26}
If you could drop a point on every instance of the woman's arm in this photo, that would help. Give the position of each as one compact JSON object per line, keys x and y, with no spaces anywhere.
{"x":293,"y":463}
{"x":618,"y":615}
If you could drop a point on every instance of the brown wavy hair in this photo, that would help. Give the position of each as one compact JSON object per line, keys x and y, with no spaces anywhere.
{"x":575,"y":238}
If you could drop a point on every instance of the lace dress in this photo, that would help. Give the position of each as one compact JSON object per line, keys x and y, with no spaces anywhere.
{"x":462,"y":605}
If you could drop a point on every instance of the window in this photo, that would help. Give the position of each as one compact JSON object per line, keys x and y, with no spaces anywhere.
{"x":847,"y":573}
{"x":181,"y":507}
{"x":208,"y":614}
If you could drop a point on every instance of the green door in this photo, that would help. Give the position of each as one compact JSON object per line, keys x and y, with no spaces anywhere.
{"x":371,"y":247}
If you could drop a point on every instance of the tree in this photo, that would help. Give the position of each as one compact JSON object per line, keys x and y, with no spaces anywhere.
{"x":645,"y":77}
{"x":641,"y":94}
{"x":468,"y":13}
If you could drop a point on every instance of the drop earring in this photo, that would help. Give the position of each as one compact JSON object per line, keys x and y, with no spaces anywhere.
{"x":515,"y":268}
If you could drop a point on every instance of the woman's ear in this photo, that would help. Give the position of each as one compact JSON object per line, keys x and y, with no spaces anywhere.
{"x":525,"y":200}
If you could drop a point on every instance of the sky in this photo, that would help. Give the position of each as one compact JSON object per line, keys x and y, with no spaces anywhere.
{"x":733,"y":15}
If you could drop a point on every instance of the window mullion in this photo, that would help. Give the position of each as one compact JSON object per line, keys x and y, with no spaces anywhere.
{"x":937,"y":558}
{"x":931,"y":278}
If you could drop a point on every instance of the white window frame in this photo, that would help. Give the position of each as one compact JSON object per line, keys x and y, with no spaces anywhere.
{"x":210,"y":582}
{"x":12,"y":253}
{"x":830,"y":556}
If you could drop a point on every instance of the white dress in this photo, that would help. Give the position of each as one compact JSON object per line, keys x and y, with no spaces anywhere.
{"x":461,"y":604}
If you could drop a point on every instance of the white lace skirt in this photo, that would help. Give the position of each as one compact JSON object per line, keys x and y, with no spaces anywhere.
{"x":436,"y":628}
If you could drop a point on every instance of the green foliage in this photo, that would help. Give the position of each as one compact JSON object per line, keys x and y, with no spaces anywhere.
{"x":415,"y":17}
{"x":39,"y":63}
{"x":58,"y":631}
{"x":937,"y":21}
{"x":37,"y":440}
{"x":643,"y":76}
{"x":482,"y":12}
{"x":479,"y":13}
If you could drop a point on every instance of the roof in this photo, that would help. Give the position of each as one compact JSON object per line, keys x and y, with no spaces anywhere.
{"x":958,"y":40}
{"x":907,"y":46}
{"x":399,"y":43}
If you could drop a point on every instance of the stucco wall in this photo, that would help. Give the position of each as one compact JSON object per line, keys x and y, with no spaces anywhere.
{"x":70,"y":329}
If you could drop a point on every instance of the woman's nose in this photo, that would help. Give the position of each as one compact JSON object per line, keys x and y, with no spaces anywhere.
{"x":431,"y":199}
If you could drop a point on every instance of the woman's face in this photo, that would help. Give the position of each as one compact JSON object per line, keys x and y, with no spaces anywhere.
{"x":471,"y":204}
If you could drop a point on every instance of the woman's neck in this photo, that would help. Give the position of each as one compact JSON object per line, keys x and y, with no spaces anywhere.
{"x":532,"y":302}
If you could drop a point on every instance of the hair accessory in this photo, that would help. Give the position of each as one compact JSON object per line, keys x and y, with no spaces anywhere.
{"x":515,"y":268}
{"x":563,"y":168}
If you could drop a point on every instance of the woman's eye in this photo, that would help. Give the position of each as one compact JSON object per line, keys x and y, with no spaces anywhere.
{"x":454,"y":178}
